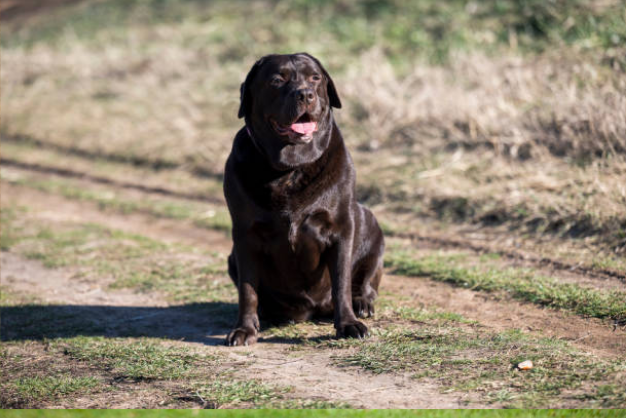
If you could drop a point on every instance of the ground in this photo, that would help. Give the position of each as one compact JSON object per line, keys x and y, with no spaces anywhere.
{"x":94,"y":293}
{"x":491,"y":150}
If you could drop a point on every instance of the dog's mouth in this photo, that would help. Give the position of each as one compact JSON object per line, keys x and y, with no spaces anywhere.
{"x":300,"y":131}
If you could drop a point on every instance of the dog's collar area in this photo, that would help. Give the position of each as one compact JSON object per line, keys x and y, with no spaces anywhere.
{"x":258,"y":148}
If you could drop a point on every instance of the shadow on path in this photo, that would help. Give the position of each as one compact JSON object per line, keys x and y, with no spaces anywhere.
{"x":205,"y":323}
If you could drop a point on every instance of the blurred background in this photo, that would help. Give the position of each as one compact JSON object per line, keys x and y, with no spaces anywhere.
{"x":500,"y":120}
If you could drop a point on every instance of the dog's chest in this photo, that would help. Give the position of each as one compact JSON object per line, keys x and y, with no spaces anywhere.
{"x":300,"y":238}
{"x":286,"y":193}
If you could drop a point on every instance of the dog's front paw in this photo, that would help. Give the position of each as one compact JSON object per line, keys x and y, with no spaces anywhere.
{"x":353,"y":329}
{"x":242,"y":336}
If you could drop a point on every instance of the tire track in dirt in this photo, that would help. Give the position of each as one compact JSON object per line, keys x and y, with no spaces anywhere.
{"x":425,"y":240}
{"x":501,"y":313}
{"x":515,"y":256}
{"x":492,"y":311}
{"x":74,"y":174}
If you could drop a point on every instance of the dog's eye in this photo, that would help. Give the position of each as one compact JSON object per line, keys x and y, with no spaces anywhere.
{"x":316,"y":77}
{"x":277,"y":81}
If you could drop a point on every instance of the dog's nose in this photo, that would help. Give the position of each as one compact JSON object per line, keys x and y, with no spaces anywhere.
{"x":305,"y":96}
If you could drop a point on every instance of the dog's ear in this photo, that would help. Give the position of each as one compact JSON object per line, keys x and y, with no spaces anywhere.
{"x":330,"y":86}
{"x":245,"y":98}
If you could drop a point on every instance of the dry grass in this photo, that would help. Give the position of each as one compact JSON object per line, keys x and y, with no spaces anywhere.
{"x":535,"y":139}
{"x":166,"y":101}
{"x":161,"y":103}
{"x":521,"y":107}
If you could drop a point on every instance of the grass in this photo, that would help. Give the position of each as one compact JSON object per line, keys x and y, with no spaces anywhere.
{"x":48,"y":388}
{"x":416,"y":48}
{"x":40,"y":154}
{"x":8,"y":233}
{"x":226,"y":391}
{"x":356,"y":25}
{"x":129,"y":260}
{"x":518,"y":283}
{"x":309,"y":404}
{"x":503,"y":114}
{"x":110,"y":199}
{"x":145,"y":359}
{"x":190,"y":374}
{"x":500,"y":112}
{"x":32,"y":377}
{"x":440,"y":413}
{"x":483,"y":363}
{"x":9,"y":297}
{"x":421,"y":315}
{"x":149,"y":359}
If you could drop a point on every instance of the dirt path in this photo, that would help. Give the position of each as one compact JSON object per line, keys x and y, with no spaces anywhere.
{"x":469,"y":238}
{"x":53,"y":207}
{"x":309,"y":371}
{"x":311,"y":374}
{"x":313,"y":377}
{"x":590,"y":334}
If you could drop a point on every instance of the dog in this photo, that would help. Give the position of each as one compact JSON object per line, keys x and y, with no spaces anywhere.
{"x":302,"y":245}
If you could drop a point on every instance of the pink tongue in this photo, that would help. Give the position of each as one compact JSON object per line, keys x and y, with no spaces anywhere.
{"x":304,"y":128}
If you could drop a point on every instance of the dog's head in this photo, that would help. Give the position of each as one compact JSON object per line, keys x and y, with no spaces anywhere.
{"x":286,"y":101}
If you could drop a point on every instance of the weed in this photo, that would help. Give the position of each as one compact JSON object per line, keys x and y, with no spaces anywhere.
{"x":518,"y":283}
{"x":49,"y":387}
{"x":422,"y":315}
{"x":471,"y":359}
{"x":144,"y":359}
{"x":227,"y":391}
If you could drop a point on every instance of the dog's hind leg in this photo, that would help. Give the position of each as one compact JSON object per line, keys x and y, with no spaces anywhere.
{"x":368,"y":270}
{"x":365,"y":291}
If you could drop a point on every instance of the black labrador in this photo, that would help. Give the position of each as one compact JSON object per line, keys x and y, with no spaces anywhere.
{"x":303,"y":246}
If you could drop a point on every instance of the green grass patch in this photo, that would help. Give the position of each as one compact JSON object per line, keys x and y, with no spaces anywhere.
{"x":77,"y":244}
{"x":424,"y":315}
{"x":182,"y":282}
{"x":227,"y":391}
{"x":609,"y":263}
{"x":308,"y":404}
{"x":403,"y":30}
{"x":132,"y":261}
{"x":70,"y":244}
{"x":9,"y":231}
{"x":109,"y":199}
{"x":9,"y":297}
{"x":289,"y":332}
{"x":441,"y":413}
{"x":53,"y":387}
{"x":472,"y":360}
{"x":521,"y":284}
{"x":145,"y":359}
